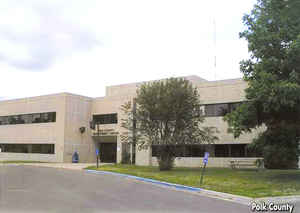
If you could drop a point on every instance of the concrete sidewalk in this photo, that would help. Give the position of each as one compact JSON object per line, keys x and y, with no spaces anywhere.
{"x":73,"y":166}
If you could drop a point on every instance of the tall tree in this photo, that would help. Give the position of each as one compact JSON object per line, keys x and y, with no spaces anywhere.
{"x":167,"y":114}
{"x":273,"y":76}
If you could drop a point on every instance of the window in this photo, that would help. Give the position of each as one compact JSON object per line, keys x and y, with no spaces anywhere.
{"x":106,"y":118}
{"x":155,"y":150}
{"x":216,"y":109}
{"x":183,"y":150}
{"x":253,"y":153}
{"x":28,"y":118}
{"x":233,"y":106}
{"x":4,"y":120}
{"x":238,"y":150}
{"x":213,"y":110}
{"x":222,"y":150}
{"x":235,"y":150}
{"x":28,"y":148}
{"x":195,"y":150}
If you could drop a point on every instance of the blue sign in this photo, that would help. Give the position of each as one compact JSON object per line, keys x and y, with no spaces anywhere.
{"x":97,"y":151}
{"x":205,"y":159}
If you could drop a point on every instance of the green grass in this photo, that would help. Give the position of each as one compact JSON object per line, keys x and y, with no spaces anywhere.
{"x":20,"y":161}
{"x":246,"y":182}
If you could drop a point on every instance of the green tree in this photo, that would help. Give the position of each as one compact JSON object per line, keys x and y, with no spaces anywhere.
{"x":167,"y":114}
{"x":273,"y":76}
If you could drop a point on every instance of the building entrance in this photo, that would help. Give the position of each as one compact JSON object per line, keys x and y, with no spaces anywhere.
{"x":108,"y":152}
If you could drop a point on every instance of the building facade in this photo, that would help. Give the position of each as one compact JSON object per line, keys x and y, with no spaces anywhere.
{"x":51,"y":128}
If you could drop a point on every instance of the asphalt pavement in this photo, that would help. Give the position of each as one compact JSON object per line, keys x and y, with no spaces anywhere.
{"x":40,"y":189}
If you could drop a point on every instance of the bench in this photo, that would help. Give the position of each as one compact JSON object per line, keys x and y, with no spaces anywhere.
{"x":242,"y":163}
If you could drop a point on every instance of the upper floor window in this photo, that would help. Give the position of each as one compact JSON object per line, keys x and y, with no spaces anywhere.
{"x":106,"y":118}
{"x":213,"y":110}
{"x":44,"y":117}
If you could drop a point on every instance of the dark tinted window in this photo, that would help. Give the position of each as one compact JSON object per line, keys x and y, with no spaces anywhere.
{"x":106,"y":118}
{"x":235,"y":150}
{"x":195,"y":150}
{"x":183,"y":150}
{"x":212,"y":110}
{"x":44,"y":117}
{"x":222,"y":150}
{"x":28,"y":148}
{"x":238,"y":150}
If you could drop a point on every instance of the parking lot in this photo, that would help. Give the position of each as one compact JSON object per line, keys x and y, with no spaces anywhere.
{"x":26,"y":188}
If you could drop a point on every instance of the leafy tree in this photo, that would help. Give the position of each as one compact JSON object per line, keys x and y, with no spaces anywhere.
{"x":273,"y":76}
{"x":167,"y":114}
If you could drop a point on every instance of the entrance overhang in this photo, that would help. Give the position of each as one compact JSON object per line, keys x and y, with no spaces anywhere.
{"x":105,"y":139}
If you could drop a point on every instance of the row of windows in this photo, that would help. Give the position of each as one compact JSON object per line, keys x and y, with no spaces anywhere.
{"x":211,"y":110}
{"x":28,"y":118}
{"x":235,"y":150}
{"x":106,"y":118}
{"x":220,"y":150}
{"x":28,"y":148}
{"x":183,"y":150}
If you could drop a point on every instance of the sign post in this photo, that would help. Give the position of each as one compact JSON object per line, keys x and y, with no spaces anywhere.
{"x":97,"y":154}
{"x":205,"y":160}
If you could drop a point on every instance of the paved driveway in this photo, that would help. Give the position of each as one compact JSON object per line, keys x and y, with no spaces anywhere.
{"x":39,"y":189}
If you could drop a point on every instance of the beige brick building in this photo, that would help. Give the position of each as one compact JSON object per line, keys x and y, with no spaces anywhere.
{"x":52,"y":127}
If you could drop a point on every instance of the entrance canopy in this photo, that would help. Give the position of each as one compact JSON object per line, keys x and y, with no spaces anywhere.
{"x":105,"y":139}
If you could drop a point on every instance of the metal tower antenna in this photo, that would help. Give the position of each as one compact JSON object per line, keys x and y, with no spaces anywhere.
{"x":215,"y":48}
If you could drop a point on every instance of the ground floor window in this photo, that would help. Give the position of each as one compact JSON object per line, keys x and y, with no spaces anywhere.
{"x":182,"y":150}
{"x":221,"y":150}
{"x":216,"y":150}
{"x":28,"y":148}
{"x":235,"y":150}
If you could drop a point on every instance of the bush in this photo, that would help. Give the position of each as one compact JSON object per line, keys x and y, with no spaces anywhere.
{"x":279,"y":147}
{"x":165,"y":163}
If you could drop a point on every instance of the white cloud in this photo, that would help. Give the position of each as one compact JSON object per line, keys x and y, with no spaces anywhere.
{"x":35,"y":36}
{"x":83,"y":46}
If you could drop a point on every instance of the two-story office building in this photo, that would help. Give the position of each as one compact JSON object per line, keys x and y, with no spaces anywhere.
{"x":52,"y":127}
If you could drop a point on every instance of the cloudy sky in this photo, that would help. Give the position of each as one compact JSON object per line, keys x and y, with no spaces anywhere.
{"x":77,"y":46}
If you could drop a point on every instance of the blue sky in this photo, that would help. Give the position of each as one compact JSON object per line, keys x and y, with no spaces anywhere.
{"x":53,"y":46}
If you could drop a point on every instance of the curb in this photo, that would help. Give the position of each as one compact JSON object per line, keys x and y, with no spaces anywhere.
{"x":177,"y":186}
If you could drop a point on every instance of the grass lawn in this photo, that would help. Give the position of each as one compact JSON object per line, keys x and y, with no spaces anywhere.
{"x":246,"y":182}
{"x":20,"y":161}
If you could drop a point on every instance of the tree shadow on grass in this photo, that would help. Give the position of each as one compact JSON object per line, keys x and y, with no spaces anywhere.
{"x":285,"y":177}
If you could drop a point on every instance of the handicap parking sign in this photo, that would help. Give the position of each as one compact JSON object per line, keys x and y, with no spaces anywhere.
{"x":97,"y":151}
{"x":205,"y":159}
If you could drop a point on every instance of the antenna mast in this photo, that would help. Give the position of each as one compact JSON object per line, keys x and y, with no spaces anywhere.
{"x":215,"y":48}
